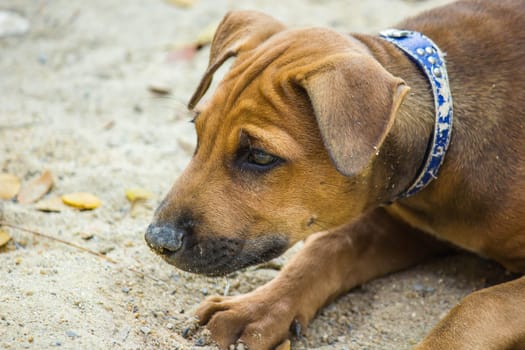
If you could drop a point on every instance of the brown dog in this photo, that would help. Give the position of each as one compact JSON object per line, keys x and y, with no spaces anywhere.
{"x":313,"y":130}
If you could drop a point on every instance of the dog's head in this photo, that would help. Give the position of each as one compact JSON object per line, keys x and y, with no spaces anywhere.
{"x":286,"y":145}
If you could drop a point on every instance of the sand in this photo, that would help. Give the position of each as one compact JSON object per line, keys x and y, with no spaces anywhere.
{"x":75,"y":100}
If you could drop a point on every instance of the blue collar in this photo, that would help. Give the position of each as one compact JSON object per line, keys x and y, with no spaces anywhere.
{"x":431,"y":61}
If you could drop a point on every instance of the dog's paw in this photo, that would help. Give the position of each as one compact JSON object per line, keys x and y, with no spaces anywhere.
{"x":260,"y":319}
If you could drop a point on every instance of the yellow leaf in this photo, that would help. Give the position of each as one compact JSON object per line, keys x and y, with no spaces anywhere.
{"x":181,"y":3}
{"x":135,"y":194}
{"x":4,"y":238}
{"x":81,"y":200}
{"x":206,"y":35}
{"x":36,"y":188}
{"x":285,"y":345}
{"x":53,"y":204}
{"x":9,"y":186}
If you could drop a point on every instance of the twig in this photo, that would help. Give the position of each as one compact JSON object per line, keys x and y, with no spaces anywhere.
{"x":40,"y":234}
{"x":76,"y":246}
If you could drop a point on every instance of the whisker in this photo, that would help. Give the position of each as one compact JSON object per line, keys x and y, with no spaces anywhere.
{"x":328,"y":184}
{"x":324,"y":225}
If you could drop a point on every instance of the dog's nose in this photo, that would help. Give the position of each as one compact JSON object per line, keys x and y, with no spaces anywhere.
{"x":164,"y":237}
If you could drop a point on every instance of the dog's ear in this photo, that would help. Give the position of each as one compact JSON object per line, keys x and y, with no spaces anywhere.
{"x":239,"y":31}
{"x":355,"y":100}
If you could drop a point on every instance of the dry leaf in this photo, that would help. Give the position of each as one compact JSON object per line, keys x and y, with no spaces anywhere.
{"x":36,"y":188}
{"x":53,"y":204}
{"x":181,"y":3}
{"x":86,"y":236}
{"x":206,"y":35}
{"x":184,"y":53}
{"x":81,"y":200}
{"x":188,"y":51}
{"x":135,"y":194}
{"x":9,"y":186}
{"x":4,"y":238}
{"x":159,"y":87}
{"x":285,"y":345}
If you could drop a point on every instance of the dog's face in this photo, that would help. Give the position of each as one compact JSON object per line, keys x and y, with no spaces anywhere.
{"x":275,"y":161}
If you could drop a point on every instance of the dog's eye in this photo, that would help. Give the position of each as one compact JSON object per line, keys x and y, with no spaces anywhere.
{"x":256,"y":156}
{"x":259,"y":160}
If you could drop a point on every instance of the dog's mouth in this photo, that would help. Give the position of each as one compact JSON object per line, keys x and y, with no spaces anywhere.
{"x":220,"y":256}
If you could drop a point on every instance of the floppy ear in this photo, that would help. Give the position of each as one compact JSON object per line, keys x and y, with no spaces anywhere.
{"x":355,"y":100}
{"x":239,"y":31}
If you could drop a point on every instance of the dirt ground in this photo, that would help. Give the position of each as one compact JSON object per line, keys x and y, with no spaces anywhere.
{"x":74,"y":99}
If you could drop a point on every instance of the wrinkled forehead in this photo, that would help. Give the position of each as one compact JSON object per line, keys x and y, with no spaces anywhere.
{"x":281,"y":57}
{"x":259,"y":88}
{"x":258,"y":111}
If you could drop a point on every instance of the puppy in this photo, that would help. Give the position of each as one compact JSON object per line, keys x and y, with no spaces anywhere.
{"x":329,"y":137}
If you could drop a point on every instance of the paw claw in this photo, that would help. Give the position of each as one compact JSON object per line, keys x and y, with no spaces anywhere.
{"x":208,"y":308}
{"x":296,"y":329}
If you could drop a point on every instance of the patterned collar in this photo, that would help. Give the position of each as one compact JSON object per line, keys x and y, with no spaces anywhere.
{"x":429,"y":58}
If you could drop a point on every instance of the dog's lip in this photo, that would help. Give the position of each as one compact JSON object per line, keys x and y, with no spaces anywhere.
{"x":247,"y":253}
{"x":211,"y":270}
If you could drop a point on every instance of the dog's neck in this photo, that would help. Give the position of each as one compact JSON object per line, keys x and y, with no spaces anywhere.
{"x":406,"y":145}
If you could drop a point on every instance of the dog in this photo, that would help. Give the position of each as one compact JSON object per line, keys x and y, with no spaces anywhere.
{"x":315,"y":135}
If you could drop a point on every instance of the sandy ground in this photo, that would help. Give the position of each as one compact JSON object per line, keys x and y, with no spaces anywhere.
{"x":74,"y":99}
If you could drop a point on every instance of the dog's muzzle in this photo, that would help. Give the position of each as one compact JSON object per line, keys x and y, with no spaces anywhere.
{"x":213,"y":255}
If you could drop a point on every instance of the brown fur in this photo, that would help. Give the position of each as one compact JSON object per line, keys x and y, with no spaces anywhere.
{"x":350,"y":118}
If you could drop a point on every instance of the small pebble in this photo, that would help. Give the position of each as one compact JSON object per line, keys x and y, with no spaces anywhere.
{"x":124,"y":333}
{"x":86,"y":236}
{"x":125,"y":290}
{"x":106,"y":250}
{"x":422,"y":289}
{"x":145,"y":330}
{"x":240,"y":346}
{"x":56,"y":343}
{"x":160,"y":88}
{"x":42,"y":58}
{"x":200,"y":342}
{"x":204,"y":291}
{"x":169,"y":326}
{"x":12,"y":23}
{"x":71,"y":334}
{"x":418,"y":287}
{"x":186,"y":332}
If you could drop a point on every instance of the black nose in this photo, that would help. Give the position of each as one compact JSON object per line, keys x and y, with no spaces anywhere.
{"x":164,"y":237}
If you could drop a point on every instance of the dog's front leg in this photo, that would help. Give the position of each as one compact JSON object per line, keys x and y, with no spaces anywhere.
{"x":329,"y":264}
{"x":489,"y":319}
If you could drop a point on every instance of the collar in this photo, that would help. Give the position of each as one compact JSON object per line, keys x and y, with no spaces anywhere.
{"x":430,"y":59}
